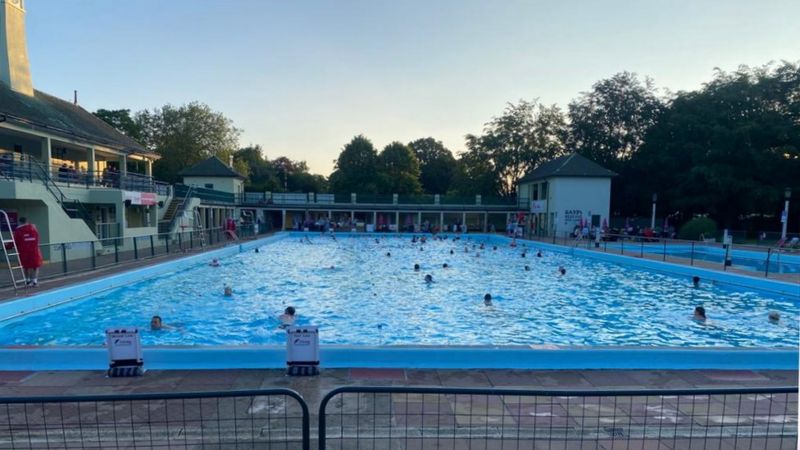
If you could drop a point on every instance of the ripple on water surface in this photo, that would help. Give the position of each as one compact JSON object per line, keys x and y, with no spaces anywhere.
{"x":358,"y":295}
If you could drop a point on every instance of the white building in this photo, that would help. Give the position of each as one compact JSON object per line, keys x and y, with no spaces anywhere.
{"x":213,"y":173}
{"x":565,"y":191}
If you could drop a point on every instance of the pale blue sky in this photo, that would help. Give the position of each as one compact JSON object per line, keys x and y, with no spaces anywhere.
{"x":302,"y":77}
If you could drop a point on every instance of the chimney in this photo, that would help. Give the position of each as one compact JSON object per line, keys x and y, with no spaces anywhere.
{"x":15,"y":69}
{"x":75,"y":97}
{"x":230,"y":161}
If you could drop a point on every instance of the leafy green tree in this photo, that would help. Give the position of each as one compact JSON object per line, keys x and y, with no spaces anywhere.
{"x":524,"y":136}
{"x":729,"y":149}
{"x":122,"y":120}
{"x":186,"y":135}
{"x":474,"y":174}
{"x":262,"y":176}
{"x":608,"y":124}
{"x":437,"y":165}
{"x":356,"y":168}
{"x":398,"y":167}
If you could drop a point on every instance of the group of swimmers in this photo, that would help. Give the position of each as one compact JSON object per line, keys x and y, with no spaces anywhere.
{"x":699,"y":315}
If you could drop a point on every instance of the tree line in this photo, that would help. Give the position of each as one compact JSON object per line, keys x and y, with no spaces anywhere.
{"x":728,"y":149}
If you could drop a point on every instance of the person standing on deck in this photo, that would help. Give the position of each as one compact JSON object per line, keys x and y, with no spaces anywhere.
{"x":26,"y":236}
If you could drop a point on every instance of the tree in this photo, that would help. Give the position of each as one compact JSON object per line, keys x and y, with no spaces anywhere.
{"x":474,"y":174}
{"x":608,"y":124}
{"x":121,"y":120}
{"x":437,"y":165}
{"x":186,"y":135}
{"x":398,"y":169}
{"x":356,"y":168}
{"x":524,"y":136}
{"x":729,"y":149}
{"x":262,"y":176}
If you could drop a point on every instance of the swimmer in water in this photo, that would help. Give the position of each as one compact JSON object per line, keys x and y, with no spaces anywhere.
{"x":487,"y":300}
{"x":288,"y":316}
{"x":482,"y":246}
{"x":214,"y":263}
{"x":539,"y":254}
{"x":228,"y":291}
{"x":696,"y":281}
{"x":774,"y":317}
{"x":445,"y":266}
{"x":429,"y":279}
{"x":562,"y":271}
{"x":523,"y":254}
{"x":527,"y":268}
{"x":156,"y":323}
{"x":451,"y":251}
{"x":494,"y":248}
{"x":388,"y":254}
{"x":257,"y":250}
{"x":416,"y":267}
{"x":700,"y":313}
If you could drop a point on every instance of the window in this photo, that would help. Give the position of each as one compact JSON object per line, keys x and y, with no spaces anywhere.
{"x":544,"y":190}
{"x":209,"y":186}
{"x":535,"y":194}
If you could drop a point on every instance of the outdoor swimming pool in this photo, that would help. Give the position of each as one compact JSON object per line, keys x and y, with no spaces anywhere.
{"x":371,"y":299}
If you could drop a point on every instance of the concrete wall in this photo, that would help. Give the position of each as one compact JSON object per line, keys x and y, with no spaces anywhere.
{"x":230,"y":185}
{"x":573,"y":198}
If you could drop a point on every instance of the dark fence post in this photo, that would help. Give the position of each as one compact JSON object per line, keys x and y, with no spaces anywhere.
{"x":94,"y":256}
{"x":166,"y":241}
{"x":135,"y":248}
{"x":766,"y":266}
{"x":116,"y":251}
{"x":180,"y":241}
{"x":641,"y":251}
{"x":691,"y":260}
{"x":152,"y":247}
{"x":665,"y":251}
{"x":622,"y":246}
{"x":191,"y":240}
{"x":64,"y":257}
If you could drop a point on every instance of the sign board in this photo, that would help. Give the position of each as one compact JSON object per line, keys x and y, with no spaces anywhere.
{"x":538,"y":206}
{"x":572,"y":216}
{"x":13,"y":215}
{"x":139,"y":198}
{"x":302,"y":350}
{"x":124,"y":347}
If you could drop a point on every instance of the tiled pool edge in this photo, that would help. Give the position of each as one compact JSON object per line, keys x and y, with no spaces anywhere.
{"x":432,"y":357}
{"x":401,"y":357}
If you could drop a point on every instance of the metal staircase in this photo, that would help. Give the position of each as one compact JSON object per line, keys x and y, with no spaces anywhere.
{"x":198,"y":226}
{"x":11,"y":254}
{"x":174,"y":210}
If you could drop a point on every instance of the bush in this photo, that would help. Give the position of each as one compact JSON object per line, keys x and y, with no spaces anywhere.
{"x":692,"y":229}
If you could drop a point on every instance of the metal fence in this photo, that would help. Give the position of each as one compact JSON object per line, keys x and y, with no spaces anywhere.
{"x":84,"y":256}
{"x":771,"y":262}
{"x":458,"y":418}
{"x":264,"y":418}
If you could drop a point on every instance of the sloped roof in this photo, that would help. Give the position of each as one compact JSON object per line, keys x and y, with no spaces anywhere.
{"x":43,"y":112}
{"x":572,"y":165}
{"x":211,"y":167}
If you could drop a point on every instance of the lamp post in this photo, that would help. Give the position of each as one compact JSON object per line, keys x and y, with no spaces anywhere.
{"x":653,"y":218}
{"x":785,"y":216}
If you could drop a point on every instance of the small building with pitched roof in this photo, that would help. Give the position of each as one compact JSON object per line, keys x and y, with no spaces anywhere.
{"x":213,"y":173}
{"x":565,"y":192}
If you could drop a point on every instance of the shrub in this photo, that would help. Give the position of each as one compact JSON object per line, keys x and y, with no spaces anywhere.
{"x":692,"y":229}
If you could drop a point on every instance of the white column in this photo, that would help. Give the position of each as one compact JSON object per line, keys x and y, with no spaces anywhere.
{"x":123,"y":165}
{"x":148,"y":167}
{"x":485,"y":222}
{"x":283,"y":219}
{"x":441,"y":220}
{"x":397,"y":220}
{"x":46,"y":155}
{"x":785,"y":219}
{"x":375,"y":218}
{"x":464,"y":220}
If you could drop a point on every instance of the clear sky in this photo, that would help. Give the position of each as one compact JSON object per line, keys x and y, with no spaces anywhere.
{"x":303,"y":77}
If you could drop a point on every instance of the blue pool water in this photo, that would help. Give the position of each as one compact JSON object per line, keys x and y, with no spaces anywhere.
{"x":369,"y":298}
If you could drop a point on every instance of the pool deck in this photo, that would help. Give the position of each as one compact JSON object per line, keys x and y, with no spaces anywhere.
{"x":80,"y":382}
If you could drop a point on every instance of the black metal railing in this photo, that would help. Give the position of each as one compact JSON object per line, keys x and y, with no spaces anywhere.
{"x":208,"y":195}
{"x":70,"y":258}
{"x":263,"y":418}
{"x":456,"y":418}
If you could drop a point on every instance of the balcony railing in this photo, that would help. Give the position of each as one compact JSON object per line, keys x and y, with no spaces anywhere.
{"x":341,"y":199}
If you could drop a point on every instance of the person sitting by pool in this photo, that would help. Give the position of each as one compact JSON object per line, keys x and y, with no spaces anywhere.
{"x":487,"y":300}
{"x":561,"y":271}
{"x":696,"y":281}
{"x":214,"y":263}
{"x":428,"y":279}
{"x":699,"y":313}
{"x":774,"y":316}
{"x":287,"y":318}
{"x":227,"y":291}
{"x":539,"y":254}
{"x":527,"y":268}
{"x":416,"y":267}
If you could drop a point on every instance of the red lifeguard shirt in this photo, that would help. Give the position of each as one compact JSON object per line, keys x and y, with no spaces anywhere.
{"x":27,"y":240}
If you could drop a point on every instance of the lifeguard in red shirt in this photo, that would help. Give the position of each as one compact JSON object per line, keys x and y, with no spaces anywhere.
{"x":26,"y":236}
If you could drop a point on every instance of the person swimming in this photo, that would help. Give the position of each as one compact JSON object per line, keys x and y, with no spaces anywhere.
{"x":482,"y":246}
{"x":562,"y":271}
{"x":156,"y":323}
{"x":288,"y":317}
{"x":774,"y":316}
{"x":214,"y":263}
{"x":524,"y":254}
{"x":695,"y":281}
{"x":494,"y":248}
{"x":445,"y":266}
{"x":416,"y":267}
{"x":451,"y":251}
{"x":428,"y":278}
{"x":227,"y":291}
{"x":527,"y":268}
{"x":539,"y":254}
{"x":388,"y":254}
{"x":699,"y":313}
{"x":487,"y":300}
{"x":257,"y":250}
